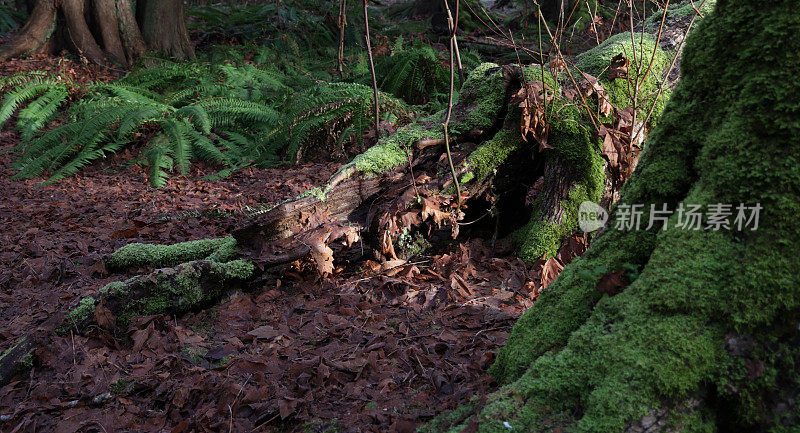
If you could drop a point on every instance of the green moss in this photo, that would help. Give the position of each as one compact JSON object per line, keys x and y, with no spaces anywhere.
{"x":482,"y":97}
{"x":172,"y":290}
{"x":226,"y":250}
{"x":640,"y":50}
{"x":572,"y":142}
{"x":83,"y":311}
{"x":677,"y":11}
{"x":157,"y":256}
{"x":587,"y":362}
{"x":489,"y":155}
{"x":318,"y":193}
{"x":194,"y":354}
{"x":123,"y":386}
{"x":390,"y":151}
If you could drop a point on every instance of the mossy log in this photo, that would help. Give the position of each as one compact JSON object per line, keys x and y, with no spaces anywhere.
{"x":17,"y":359}
{"x":705,"y":338}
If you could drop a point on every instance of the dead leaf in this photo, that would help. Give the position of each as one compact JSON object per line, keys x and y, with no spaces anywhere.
{"x":265,"y":332}
{"x":103,"y":316}
{"x":611,"y":283}
{"x":619,"y":67}
{"x":533,"y":98}
{"x":552,"y":267}
{"x":591,"y":86}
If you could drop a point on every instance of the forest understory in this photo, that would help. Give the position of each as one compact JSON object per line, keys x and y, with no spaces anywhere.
{"x":254,"y":216}
{"x":376,"y":353}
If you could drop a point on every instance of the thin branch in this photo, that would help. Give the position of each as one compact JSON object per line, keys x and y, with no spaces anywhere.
{"x":342,"y":25}
{"x":372,"y":70}
{"x":450,"y":106}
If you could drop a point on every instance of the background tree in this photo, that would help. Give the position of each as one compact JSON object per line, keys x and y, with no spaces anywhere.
{"x":103,"y":30}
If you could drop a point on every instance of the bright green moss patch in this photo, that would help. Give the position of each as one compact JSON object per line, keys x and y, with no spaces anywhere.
{"x":225,"y":251}
{"x":83,"y":311}
{"x":390,"y":151}
{"x":157,"y":256}
{"x":486,"y":158}
{"x":482,"y":98}
{"x":640,"y":50}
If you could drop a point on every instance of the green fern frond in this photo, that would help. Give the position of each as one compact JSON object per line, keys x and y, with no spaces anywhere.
{"x":14,"y":99}
{"x":33,"y":117}
{"x":175,"y":131}
{"x":159,"y":158}
{"x":197,"y":115}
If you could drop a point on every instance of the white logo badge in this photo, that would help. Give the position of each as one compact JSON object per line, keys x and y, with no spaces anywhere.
{"x":591,"y":216}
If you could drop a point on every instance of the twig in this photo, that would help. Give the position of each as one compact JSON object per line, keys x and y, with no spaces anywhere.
{"x":672,"y":64}
{"x":342,"y":25}
{"x":372,"y":70}
{"x":450,"y":108}
{"x":453,"y":25}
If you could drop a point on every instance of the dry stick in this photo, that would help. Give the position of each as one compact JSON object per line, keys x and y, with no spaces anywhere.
{"x":637,"y":68}
{"x":672,"y":65}
{"x":372,"y":70}
{"x":342,"y":25}
{"x":594,"y":14}
{"x":453,"y":24}
{"x":450,"y":108}
{"x":595,"y":122}
{"x":647,"y":72}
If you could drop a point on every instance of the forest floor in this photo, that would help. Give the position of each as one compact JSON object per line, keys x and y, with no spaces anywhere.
{"x":363,"y":350}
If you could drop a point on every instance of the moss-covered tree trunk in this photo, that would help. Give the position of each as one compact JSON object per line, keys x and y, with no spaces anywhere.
{"x":103,"y":30}
{"x":706,"y":337}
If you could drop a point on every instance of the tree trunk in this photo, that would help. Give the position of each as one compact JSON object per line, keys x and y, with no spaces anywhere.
{"x":103,"y":30}
{"x":164,"y":27}
{"x":700,"y":331}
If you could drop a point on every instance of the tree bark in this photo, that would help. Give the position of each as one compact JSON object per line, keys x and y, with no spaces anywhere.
{"x":103,"y":30}
{"x":34,"y":34}
{"x":163,"y":27}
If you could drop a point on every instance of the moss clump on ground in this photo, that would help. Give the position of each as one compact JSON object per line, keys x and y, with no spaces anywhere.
{"x":157,"y":256}
{"x":83,"y":311}
{"x":671,"y":342}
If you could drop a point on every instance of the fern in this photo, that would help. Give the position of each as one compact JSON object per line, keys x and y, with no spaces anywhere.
{"x":338,"y":111}
{"x":414,"y":74}
{"x":190,"y":111}
{"x":10,"y":18}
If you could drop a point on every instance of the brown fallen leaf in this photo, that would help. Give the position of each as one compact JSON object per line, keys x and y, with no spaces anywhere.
{"x":533,"y":98}
{"x":552,"y":267}
{"x":265,"y":332}
{"x":103,"y":316}
{"x":611,"y":283}
{"x":619,"y":67}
